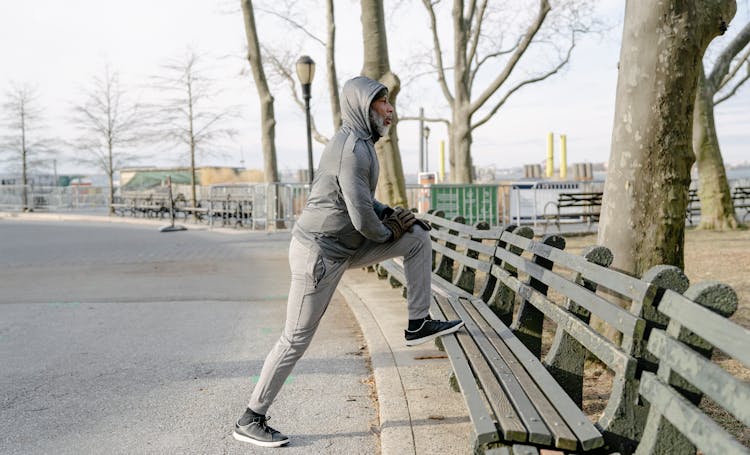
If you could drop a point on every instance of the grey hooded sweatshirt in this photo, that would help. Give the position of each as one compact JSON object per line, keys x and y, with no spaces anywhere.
{"x":342,"y":211}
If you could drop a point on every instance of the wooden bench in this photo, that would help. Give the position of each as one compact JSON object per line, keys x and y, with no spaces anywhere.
{"x":741,"y":199}
{"x":584,"y":206}
{"x":520,"y":401}
{"x":490,"y":368}
{"x":676,"y":424}
{"x":693,"y":205}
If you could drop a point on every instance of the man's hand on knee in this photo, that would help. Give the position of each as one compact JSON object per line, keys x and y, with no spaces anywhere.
{"x":399,"y":222}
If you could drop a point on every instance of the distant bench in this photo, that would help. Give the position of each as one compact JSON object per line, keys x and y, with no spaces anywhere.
{"x":586,"y":206}
{"x":740,"y":200}
{"x":497,"y":281}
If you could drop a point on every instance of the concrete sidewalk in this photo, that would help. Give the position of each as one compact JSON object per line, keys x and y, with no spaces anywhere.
{"x":419,"y":413}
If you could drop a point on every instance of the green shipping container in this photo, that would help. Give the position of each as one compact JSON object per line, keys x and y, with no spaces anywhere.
{"x":473,"y":202}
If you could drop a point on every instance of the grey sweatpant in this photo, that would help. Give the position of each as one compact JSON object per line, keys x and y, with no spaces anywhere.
{"x":314,"y":280}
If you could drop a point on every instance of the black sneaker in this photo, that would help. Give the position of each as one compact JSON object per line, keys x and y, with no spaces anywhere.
{"x":431,"y":329}
{"x":259,"y":433}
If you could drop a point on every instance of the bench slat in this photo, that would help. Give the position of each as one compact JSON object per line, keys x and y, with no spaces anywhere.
{"x":722,"y":387}
{"x":492,"y":233}
{"x":563,"y":436}
{"x":537,"y":431}
{"x":482,"y":266}
{"x":510,"y":424}
{"x":630,"y":287}
{"x":732,"y":339}
{"x":702,"y":431}
{"x":615,"y":316}
{"x":467,"y":243}
{"x":482,"y":421}
{"x":585,"y":431}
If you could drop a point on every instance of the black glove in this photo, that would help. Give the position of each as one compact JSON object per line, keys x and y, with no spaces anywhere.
{"x":399,"y":222}
{"x":386,"y":213}
{"x":424,"y":224}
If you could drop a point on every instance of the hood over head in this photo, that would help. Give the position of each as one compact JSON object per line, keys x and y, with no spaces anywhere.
{"x":357,"y":96}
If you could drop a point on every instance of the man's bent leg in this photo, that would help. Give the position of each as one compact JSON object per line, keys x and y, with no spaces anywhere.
{"x":314,"y":280}
{"x":416,"y":249}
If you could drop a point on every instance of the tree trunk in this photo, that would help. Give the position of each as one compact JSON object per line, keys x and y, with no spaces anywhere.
{"x":460,"y":153}
{"x":267,"y":118}
{"x":391,"y":188}
{"x":460,"y":147}
{"x":645,"y":195}
{"x":717,"y":209}
{"x":110,"y":176}
{"x":333,"y":83}
{"x":24,"y":169}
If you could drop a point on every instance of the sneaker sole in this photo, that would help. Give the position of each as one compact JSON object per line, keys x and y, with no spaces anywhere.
{"x":243,"y":438}
{"x":434,"y":335}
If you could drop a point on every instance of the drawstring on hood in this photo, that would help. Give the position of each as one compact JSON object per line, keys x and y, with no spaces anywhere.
{"x":357,"y":97}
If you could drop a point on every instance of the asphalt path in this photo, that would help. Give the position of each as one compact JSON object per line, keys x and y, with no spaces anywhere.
{"x":121,"y":339}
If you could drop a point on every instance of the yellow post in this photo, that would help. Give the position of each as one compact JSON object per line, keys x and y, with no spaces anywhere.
{"x":550,"y":155}
{"x":563,"y":157}
{"x":442,"y":161}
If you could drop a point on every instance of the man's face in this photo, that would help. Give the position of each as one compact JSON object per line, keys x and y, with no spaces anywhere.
{"x":384,"y":109}
{"x":381,"y":115}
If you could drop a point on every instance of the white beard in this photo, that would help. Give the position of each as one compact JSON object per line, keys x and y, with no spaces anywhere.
{"x":377,"y":122}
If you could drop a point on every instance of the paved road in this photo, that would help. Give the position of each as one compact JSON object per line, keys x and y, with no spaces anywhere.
{"x":121,"y":339}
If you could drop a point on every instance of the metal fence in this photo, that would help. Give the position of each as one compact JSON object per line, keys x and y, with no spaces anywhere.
{"x":514,"y":202}
{"x":53,"y":198}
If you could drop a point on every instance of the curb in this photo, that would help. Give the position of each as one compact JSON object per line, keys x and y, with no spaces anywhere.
{"x":395,"y":438}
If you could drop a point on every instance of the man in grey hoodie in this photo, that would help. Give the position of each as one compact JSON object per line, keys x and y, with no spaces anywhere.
{"x":343,"y":226}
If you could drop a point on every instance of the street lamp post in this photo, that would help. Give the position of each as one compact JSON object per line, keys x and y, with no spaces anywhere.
{"x":305,"y":74}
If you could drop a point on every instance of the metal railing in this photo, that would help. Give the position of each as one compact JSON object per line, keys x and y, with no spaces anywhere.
{"x":53,"y":198}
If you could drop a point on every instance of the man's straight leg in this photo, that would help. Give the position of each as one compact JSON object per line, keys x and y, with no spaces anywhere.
{"x":314,"y":280}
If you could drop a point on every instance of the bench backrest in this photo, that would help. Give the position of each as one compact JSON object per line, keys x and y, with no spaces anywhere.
{"x":675,"y":422}
{"x":461,"y":252}
{"x":579,"y":199}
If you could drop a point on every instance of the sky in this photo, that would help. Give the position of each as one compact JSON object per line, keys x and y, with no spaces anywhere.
{"x":58,"y":47}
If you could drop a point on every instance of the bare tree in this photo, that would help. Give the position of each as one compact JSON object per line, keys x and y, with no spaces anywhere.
{"x":108,"y":126}
{"x":477,"y":50}
{"x":282,"y":63}
{"x":189,"y":116}
{"x":645,"y":196}
{"x":723,"y":81}
{"x":391,"y":188}
{"x":267,"y":117}
{"x":23,"y":146}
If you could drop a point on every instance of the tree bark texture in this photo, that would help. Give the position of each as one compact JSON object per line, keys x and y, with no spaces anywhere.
{"x":333,"y":82}
{"x":645,"y":195}
{"x":717,"y":209}
{"x":267,"y":118}
{"x":391,"y":186}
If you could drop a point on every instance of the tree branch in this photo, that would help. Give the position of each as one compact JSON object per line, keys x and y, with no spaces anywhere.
{"x":724,"y":61}
{"x":426,"y":119}
{"x":438,"y":52}
{"x":544,"y":8}
{"x":293,"y":23}
{"x":484,"y":59}
{"x":477,"y":32}
{"x":736,"y":86}
{"x":523,"y":83}
{"x":733,"y":72}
